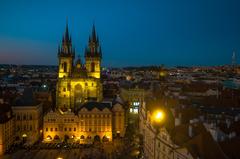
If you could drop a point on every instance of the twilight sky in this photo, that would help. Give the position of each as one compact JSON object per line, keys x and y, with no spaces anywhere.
{"x":132,"y":32}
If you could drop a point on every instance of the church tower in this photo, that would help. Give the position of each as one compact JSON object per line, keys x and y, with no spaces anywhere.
{"x":93,"y":56}
{"x":78,"y":83}
{"x":66,"y":54}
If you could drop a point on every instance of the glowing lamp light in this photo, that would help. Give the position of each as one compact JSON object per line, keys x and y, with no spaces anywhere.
{"x":158,"y":116}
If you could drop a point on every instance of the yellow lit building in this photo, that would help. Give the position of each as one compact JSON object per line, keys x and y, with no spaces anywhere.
{"x":81,"y":115}
{"x":6,"y":128}
{"x":135,"y":97}
{"x":94,"y":120}
{"x":78,"y":83}
{"x":28,"y":118}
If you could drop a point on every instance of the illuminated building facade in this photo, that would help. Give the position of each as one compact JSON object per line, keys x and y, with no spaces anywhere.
{"x":78,"y":83}
{"x":6,"y":128}
{"x":81,"y":115}
{"x":28,"y":118}
{"x":94,"y":121}
{"x":135,"y":97}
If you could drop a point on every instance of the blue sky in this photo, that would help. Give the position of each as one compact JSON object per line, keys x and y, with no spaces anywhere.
{"x":132,"y":32}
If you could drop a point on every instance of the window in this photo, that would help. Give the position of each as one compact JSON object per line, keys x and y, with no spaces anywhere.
{"x":30,"y":117}
{"x":65,"y":129}
{"x":55,"y":129}
{"x":46,"y":129}
{"x":64,"y":89}
{"x":51,"y":129}
{"x":70,"y":129}
{"x":30,"y":127}
{"x":92,"y":67}
{"x":64,"y":67}
{"x":74,"y":129}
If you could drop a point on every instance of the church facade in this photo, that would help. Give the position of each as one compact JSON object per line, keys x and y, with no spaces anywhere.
{"x":81,"y":115}
{"x":78,"y":82}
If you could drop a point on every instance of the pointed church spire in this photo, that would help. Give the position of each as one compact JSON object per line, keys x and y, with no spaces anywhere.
{"x":67,"y":38}
{"x":100,"y":51}
{"x":94,"y":36}
{"x":93,"y":49}
{"x":58,"y":49}
{"x":66,"y":47}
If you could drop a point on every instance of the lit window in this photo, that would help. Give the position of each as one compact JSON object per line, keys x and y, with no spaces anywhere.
{"x":135,"y":110}
{"x":131,"y":110}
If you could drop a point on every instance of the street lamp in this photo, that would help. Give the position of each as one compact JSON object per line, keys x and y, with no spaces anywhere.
{"x":158,"y":116}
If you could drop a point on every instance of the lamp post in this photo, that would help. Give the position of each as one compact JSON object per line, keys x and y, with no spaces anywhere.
{"x":158,"y":118}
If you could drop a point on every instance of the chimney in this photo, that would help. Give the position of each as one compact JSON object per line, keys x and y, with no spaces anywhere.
{"x":1,"y":101}
{"x":190,"y":131}
{"x":178,"y":119}
{"x":236,"y":118}
{"x":228,"y":122}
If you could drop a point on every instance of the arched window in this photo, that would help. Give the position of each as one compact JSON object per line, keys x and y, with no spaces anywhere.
{"x":89,"y":137}
{"x":49,"y":137}
{"x":82,"y":137}
{"x":64,"y":67}
{"x":56,"y":137}
{"x":92,"y":67}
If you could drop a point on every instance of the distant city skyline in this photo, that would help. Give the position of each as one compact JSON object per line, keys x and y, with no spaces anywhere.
{"x":132,"y":33}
